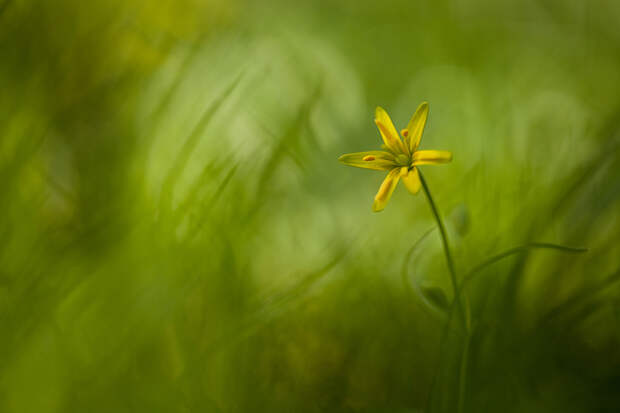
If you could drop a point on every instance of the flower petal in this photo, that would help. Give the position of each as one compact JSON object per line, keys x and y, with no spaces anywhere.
{"x":377,"y":160}
{"x":412,"y":181}
{"x":387,"y":188}
{"x":431,"y":157}
{"x":416,"y":126}
{"x":388,"y":131}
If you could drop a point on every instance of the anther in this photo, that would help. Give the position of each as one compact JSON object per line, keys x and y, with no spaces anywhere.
{"x":368,"y":158}
{"x":405,"y":132}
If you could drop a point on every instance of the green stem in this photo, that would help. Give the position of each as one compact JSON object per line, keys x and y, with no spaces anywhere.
{"x":463,"y":374}
{"x":463,"y":311}
{"x":446,"y":248}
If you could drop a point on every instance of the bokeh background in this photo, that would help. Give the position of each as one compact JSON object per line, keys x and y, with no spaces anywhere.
{"x":177,"y":235}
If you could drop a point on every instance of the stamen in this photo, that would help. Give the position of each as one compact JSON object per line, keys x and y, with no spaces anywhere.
{"x":368,"y":158}
{"x":405,"y":132}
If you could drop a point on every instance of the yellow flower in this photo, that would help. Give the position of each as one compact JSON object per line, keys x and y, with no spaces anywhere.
{"x":400,"y":157}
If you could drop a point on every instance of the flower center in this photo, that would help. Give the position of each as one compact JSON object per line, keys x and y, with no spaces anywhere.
{"x":402,"y":159}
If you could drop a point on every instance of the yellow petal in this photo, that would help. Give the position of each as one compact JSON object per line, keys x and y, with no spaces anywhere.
{"x":388,"y":131}
{"x":377,"y":160}
{"x":416,"y":126}
{"x":431,"y":157}
{"x":387,"y":188}
{"x":412,"y":181}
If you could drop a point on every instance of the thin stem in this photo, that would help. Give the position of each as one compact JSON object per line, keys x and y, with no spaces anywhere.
{"x":463,"y":311}
{"x":463,"y":374}
{"x":446,"y":248}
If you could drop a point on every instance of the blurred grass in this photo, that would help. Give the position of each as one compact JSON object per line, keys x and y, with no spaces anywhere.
{"x":178,"y":236}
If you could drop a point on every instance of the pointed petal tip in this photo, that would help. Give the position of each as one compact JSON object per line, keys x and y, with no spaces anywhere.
{"x":386,"y":189}
{"x":380,"y":113}
{"x":431,"y":157}
{"x":416,"y":126}
{"x":424,"y":107}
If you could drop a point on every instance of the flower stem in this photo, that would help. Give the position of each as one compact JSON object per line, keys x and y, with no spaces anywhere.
{"x":446,"y":248}
{"x":462,"y":310}
{"x":463,"y":374}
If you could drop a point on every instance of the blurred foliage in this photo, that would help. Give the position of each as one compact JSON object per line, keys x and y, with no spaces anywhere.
{"x":178,"y":236}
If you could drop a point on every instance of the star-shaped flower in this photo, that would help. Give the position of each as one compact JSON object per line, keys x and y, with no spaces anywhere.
{"x":400,"y":157}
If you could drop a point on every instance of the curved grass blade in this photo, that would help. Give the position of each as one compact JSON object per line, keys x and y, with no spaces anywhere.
{"x":288,"y":142}
{"x":270,"y":307}
{"x":516,"y":250}
{"x":166,"y":99}
{"x":579,"y":302}
{"x":210,"y":172}
{"x":191,"y":142}
{"x":214,"y":198}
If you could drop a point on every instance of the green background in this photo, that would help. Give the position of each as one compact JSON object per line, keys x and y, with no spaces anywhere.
{"x":176,"y":234}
